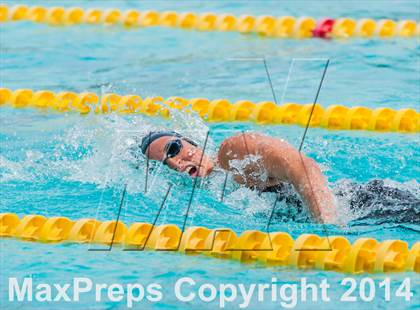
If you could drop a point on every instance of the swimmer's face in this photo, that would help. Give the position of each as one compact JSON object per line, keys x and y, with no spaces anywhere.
{"x":187,"y":160}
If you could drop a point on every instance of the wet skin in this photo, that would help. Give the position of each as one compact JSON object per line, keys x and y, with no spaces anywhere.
{"x":273,"y":161}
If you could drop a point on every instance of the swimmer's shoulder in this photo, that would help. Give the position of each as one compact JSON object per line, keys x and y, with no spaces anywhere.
{"x":238,"y":147}
{"x":251,"y":141}
{"x":243,"y":138}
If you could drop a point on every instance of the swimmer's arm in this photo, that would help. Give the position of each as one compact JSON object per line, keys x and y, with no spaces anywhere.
{"x":306,"y":177}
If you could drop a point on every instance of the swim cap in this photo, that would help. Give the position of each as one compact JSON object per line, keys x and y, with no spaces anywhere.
{"x":154,"y":135}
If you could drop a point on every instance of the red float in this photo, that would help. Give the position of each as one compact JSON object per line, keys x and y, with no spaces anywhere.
{"x":323,"y":28}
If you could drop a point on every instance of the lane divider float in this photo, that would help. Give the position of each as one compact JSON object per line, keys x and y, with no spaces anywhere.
{"x":219,"y":110}
{"x":270,"y":26}
{"x":365,"y":255}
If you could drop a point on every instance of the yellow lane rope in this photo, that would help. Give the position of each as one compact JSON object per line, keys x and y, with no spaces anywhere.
{"x":219,"y":110}
{"x":275,"y":248}
{"x":271,"y":26}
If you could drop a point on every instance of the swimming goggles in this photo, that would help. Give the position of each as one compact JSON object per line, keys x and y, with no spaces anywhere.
{"x":173,"y":147}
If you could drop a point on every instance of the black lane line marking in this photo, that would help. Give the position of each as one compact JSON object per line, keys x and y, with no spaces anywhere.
{"x":195,"y":183}
{"x":116,"y":224}
{"x":224,"y":186}
{"x":269,"y":81}
{"x":324,"y":229}
{"x":119,"y":212}
{"x":246,"y":145}
{"x":154,"y":223}
{"x":313,"y":105}
{"x":272,"y":214}
{"x":314,"y":250}
{"x":147,"y":165}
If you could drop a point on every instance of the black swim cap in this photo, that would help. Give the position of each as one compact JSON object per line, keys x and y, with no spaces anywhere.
{"x":154,"y":135}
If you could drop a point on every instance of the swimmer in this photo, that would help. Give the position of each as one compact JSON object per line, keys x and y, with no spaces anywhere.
{"x":265,"y":163}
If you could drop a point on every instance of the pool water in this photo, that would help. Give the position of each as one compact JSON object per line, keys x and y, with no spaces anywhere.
{"x":74,"y":166}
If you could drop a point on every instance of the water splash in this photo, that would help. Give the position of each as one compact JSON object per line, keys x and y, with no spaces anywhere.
{"x":99,"y":150}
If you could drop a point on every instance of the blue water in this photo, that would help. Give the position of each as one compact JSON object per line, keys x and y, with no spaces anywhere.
{"x":68,"y":165}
